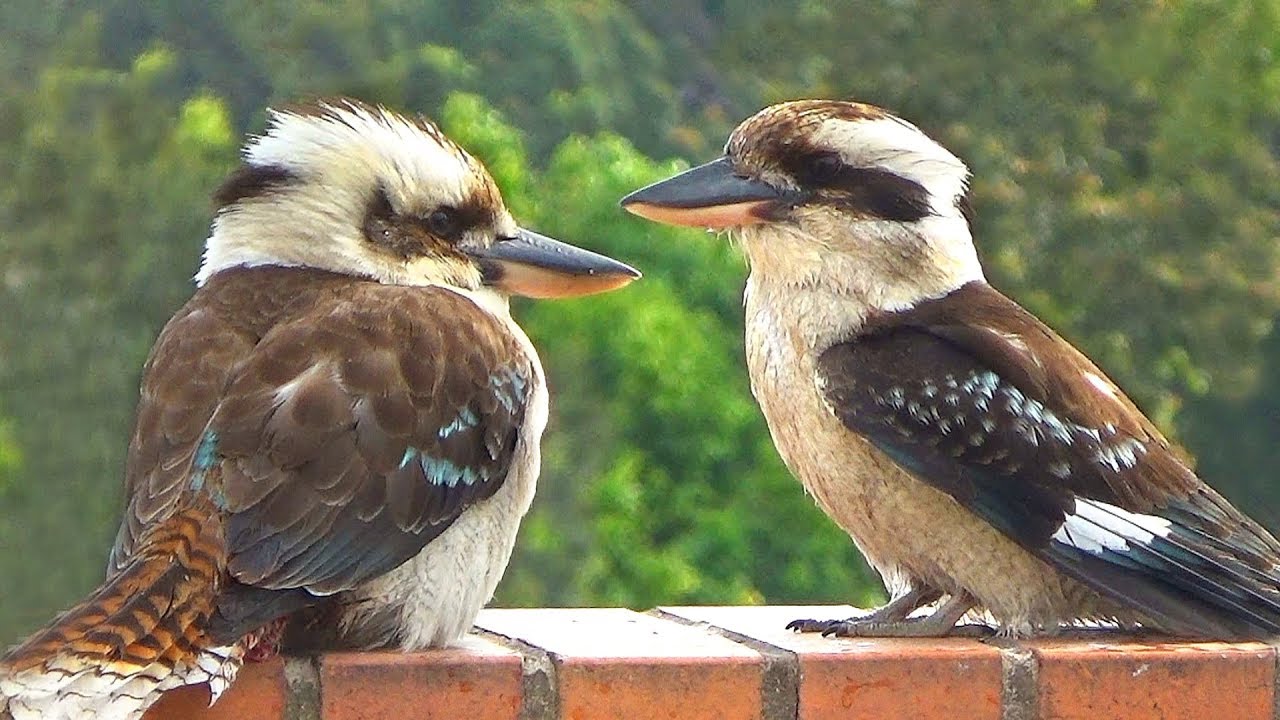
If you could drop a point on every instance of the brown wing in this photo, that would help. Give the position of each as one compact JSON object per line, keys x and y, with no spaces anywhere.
{"x":351,"y":432}
{"x":975,"y":396}
{"x":183,"y":381}
{"x":1013,"y":343}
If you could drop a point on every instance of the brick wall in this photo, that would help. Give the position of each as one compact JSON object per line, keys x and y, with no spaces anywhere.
{"x":735,"y":663}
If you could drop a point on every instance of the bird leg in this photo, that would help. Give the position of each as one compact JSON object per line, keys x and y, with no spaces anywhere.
{"x":941,"y":623}
{"x":264,"y":643}
{"x":894,"y":611}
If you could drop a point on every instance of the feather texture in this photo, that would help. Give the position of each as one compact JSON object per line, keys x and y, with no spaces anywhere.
{"x":973,"y":395}
{"x":299,"y":433}
{"x":342,"y":434}
{"x":143,"y":631}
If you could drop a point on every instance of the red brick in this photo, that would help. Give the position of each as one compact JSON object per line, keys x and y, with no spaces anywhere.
{"x":1135,"y":681}
{"x":619,"y":664}
{"x":614,"y":663}
{"x":259,"y":691}
{"x":871,"y":678}
{"x":479,"y":679}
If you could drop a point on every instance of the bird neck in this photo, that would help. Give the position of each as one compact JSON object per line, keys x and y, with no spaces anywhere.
{"x":824,"y":285}
{"x":496,"y":303}
{"x":298,"y":229}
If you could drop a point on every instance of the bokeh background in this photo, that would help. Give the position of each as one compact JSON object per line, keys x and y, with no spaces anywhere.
{"x":1126,"y":187}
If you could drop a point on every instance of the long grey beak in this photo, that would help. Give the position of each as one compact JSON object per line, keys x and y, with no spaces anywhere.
{"x":537,"y":266}
{"x":709,"y":196}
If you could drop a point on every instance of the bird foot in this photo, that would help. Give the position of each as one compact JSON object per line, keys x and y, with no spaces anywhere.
{"x":816,"y":626}
{"x":890,"y":621}
{"x":895,"y":610}
{"x":264,"y":644}
{"x":856,"y":627}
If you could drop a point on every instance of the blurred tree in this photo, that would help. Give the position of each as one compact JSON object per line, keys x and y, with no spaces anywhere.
{"x":100,"y":223}
{"x":1244,"y":460}
{"x":1125,"y":180}
{"x":10,"y":464}
{"x":687,"y":464}
{"x":1125,"y":177}
{"x":10,"y":460}
{"x":540,"y":63}
{"x":653,"y":476}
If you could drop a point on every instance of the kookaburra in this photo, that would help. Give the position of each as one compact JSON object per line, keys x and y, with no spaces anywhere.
{"x":977,"y":459}
{"x":337,"y":436}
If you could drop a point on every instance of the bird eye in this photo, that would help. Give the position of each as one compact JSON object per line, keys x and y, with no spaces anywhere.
{"x":825,"y":167}
{"x":443,"y":222}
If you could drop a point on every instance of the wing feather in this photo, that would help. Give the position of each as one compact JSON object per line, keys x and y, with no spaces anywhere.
{"x":978,"y":398}
{"x":339,"y":425}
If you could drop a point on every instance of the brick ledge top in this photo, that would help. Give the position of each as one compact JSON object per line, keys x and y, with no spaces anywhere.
{"x":726,"y":663}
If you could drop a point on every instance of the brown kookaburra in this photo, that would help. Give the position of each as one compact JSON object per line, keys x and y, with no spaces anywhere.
{"x":337,"y":435}
{"x":977,"y":459}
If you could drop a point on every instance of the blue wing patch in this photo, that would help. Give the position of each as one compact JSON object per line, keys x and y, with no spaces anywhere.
{"x":466,"y":420}
{"x":439,"y":471}
{"x":508,"y":386}
{"x":206,"y":457}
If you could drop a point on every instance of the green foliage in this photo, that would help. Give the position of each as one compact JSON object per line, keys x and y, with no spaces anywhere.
{"x":10,"y":458}
{"x":100,"y":223}
{"x":1125,"y":180}
{"x":653,"y":476}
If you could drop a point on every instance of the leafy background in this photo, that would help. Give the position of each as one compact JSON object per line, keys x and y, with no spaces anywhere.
{"x":1126,"y":184}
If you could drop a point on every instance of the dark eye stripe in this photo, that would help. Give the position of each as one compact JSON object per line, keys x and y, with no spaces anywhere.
{"x":409,"y":232}
{"x":821,"y":169}
{"x":380,"y":205}
{"x":251,"y":181}
{"x":380,"y":218}
{"x":880,"y":193}
{"x":471,"y":214}
{"x":443,"y":223}
{"x":870,"y":192}
{"x":451,"y":223}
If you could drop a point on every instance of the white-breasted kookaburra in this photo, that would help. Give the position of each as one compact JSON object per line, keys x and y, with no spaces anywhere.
{"x":337,"y":436}
{"x":975,"y":457}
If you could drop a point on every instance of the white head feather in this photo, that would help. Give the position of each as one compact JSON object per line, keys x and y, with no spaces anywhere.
{"x":895,"y":145}
{"x":335,"y":156}
{"x":888,"y":264}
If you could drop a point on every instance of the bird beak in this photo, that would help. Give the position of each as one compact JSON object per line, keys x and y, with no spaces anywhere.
{"x":709,"y":196}
{"x":537,"y":266}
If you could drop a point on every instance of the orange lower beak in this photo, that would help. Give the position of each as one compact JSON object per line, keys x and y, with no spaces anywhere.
{"x":711,"y":196}
{"x":712,"y":217}
{"x":537,"y":266}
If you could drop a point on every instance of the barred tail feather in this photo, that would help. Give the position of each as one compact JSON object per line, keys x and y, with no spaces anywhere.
{"x":140,"y":633}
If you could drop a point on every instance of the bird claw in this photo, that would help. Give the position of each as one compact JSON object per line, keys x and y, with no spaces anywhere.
{"x":811,"y":626}
{"x":870,"y":627}
{"x":849,"y":627}
{"x":972,"y":630}
{"x":855,"y":627}
{"x":264,"y":644}
{"x":892,"y":620}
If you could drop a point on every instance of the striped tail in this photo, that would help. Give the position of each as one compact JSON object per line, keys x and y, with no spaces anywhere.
{"x":140,"y":633}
